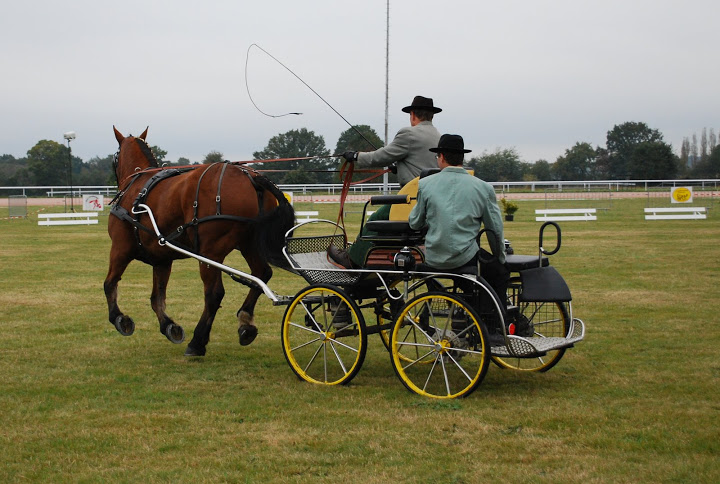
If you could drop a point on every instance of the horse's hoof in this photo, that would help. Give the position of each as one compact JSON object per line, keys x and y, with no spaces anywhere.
{"x":175,"y":333}
{"x":125,"y":325}
{"x":190,"y":351}
{"x":247,"y":334}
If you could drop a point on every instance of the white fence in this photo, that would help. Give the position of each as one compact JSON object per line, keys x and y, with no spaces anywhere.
{"x":504,"y":187}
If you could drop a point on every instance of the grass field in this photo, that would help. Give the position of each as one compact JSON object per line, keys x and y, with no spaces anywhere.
{"x":637,"y":401}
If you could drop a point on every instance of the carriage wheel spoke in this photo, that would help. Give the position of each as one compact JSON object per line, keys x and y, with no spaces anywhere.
{"x":316,"y":347}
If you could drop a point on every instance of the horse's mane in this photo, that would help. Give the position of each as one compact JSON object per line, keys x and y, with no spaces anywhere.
{"x":147,"y":152}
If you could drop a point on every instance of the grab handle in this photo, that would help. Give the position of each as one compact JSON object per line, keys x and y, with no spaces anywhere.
{"x":558,"y":238}
{"x":493,"y":257}
{"x":389,"y":199}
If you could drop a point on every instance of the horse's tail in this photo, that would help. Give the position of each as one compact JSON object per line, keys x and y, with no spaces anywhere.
{"x":272,"y":226}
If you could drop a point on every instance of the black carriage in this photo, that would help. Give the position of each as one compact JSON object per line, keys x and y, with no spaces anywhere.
{"x":441,"y":329}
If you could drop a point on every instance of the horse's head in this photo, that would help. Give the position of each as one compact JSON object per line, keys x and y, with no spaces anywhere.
{"x":133,"y":154}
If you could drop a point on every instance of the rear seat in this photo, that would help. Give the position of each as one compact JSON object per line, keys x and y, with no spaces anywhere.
{"x":517,"y":263}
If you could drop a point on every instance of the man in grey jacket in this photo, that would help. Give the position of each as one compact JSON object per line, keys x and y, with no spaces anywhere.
{"x":410,"y":151}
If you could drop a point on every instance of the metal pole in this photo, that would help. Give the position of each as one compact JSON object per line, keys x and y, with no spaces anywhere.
{"x":386,"y":190}
{"x":72,"y":204}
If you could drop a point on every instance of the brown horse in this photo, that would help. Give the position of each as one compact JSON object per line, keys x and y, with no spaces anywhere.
{"x":209,"y":210}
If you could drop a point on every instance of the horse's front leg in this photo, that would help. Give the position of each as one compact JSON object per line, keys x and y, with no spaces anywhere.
{"x":119,"y":261}
{"x":168,"y":327}
{"x":214,"y":293}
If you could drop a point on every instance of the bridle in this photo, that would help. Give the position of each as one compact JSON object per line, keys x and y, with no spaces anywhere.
{"x":145,"y":149}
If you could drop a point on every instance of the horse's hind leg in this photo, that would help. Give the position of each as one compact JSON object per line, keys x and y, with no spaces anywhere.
{"x":247,"y":331}
{"x":214,"y":293}
{"x":168,"y":327}
{"x":118,"y":263}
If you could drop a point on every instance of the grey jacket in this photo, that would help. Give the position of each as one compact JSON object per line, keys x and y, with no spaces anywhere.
{"x":410,"y":149}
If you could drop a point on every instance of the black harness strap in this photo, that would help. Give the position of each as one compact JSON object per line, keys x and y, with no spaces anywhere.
{"x":125,"y":215}
{"x":154,"y":180}
{"x":120,"y":194}
{"x":259,"y":191}
{"x":217,"y":197}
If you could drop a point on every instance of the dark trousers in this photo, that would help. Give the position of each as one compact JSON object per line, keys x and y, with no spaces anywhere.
{"x":358,"y":251}
{"x":495,"y":273}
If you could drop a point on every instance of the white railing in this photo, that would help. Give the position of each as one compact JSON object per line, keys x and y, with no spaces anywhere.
{"x":337,"y":188}
{"x":57,"y":191}
{"x":533,"y":186}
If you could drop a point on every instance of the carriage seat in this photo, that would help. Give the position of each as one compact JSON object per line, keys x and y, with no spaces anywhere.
{"x":393,"y":231}
{"x":517,"y":263}
{"x":429,"y":171}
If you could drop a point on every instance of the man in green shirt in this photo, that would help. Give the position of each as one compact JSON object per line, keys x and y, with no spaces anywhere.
{"x":454,"y":205}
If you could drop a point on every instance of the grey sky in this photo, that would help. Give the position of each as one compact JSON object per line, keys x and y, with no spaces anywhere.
{"x":535,"y":75}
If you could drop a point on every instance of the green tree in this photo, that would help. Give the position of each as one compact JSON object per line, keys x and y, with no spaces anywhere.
{"x":351,"y":140}
{"x":297,"y":143}
{"x":14,"y":171}
{"x":159,"y":153}
{"x":621,"y":142}
{"x":710,"y":168}
{"x":653,"y":160}
{"x":213,"y":157}
{"x":298,"y":177}
{"x":96,"y":171}
{"x":713,"y":170}
{"x":48,"y":163}
{"x":540,"y":170}
{"x":503,"y":165}
{"x":578,"y":163}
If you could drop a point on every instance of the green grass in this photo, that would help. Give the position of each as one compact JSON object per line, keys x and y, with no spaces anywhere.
{"x":637,"y":401}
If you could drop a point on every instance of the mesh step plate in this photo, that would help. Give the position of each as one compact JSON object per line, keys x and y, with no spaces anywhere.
{"x":531,"y":347}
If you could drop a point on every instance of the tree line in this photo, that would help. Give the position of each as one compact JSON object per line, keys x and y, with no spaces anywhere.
{"x":632,"y":150}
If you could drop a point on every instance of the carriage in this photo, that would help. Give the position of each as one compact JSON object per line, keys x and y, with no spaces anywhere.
{"x":441,"y":329}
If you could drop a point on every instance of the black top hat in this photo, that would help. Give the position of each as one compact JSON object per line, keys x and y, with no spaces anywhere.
{"x":450,"y":143}
{"x":420,"y":102}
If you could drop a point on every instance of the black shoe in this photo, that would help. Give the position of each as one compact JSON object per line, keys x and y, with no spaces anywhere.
{"x":496,"y":339}
{"x":339,"y":257}
{"x":340,"y":315}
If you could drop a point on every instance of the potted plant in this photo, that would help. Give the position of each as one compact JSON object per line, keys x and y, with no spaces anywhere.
{"x":509,"y":208}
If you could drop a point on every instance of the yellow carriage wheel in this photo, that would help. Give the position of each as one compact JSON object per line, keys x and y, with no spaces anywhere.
{"x":439,"y":347}
{"x":324,"y":338}
{"x":544,"y":320}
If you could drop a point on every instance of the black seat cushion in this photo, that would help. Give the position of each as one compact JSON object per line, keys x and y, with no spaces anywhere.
{"x":390,"y":227}
{"x":517,"y":263}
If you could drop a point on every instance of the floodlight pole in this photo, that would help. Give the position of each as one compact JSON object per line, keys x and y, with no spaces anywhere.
{"x":386,"y":189}
{"x":69,"y":137}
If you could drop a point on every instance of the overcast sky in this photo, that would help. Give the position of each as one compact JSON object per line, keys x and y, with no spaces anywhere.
{"x":535,"y":75}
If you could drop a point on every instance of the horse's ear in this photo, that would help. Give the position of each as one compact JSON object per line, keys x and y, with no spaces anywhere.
{"x":144,"y":134}
{"x":119,"y":137}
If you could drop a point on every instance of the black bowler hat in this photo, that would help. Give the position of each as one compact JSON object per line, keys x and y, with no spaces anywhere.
{"x":450,"y":143}
{"x":420,"y":102}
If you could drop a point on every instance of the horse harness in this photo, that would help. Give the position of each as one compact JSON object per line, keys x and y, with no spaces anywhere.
{"x":163,"y":174}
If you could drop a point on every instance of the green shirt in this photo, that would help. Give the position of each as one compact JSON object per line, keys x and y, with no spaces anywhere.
{"x":454,"y":205}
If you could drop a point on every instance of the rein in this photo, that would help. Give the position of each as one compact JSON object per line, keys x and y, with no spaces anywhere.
{"x":345,"y":175}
